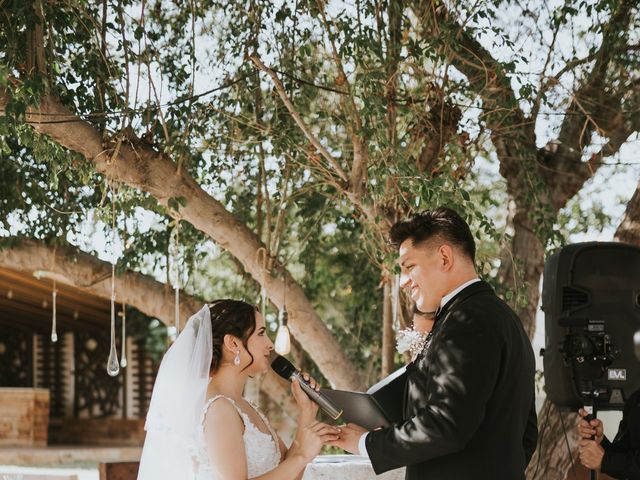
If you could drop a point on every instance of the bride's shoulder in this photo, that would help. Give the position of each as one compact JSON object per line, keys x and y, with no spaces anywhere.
{"x":222,"y":424}
{"x":220,"y":408}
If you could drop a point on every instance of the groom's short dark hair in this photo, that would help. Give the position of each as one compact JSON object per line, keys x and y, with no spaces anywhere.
{"x":443,"y":222}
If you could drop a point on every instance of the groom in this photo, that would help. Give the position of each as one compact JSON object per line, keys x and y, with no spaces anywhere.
{"x":469,"y":402}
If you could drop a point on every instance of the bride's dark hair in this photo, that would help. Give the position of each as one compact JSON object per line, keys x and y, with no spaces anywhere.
{"x":230,"y":317}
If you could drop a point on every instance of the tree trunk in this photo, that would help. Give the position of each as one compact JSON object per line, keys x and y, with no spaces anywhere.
{"x":388,"y":342}
{"x":552,"y":460}
{"x":35,"y":44}
{"x":137,"y":165}
{"x":524,"y":260}
{"x":629,"y":229}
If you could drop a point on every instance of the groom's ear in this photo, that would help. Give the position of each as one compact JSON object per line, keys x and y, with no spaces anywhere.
{"x":445,"y":257}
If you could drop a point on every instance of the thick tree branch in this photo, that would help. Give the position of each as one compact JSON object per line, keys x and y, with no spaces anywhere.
{"x":77,"y":268}
{"x":595,"y":107}
{"x":567,"y":168}
{"x":594,"y":102}
{"x":629,"y":229}
{"x":81,"y":270}
{"x":138,"y":165}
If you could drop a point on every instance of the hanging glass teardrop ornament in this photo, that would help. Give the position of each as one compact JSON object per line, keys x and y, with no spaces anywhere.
{"x":113,"y":366}
{"x":123,"y":345}
{"x":54,"y":332}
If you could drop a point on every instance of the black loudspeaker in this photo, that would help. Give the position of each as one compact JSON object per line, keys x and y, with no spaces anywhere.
{"x":591,"y":302}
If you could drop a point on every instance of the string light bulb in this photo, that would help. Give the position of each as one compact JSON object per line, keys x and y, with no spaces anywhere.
{"x":283,"y":337}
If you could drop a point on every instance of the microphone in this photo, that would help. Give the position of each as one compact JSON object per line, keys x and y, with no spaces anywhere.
{"x":286,"y":370}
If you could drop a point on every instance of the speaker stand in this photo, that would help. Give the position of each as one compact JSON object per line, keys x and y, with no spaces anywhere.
{"x":591,"y":408}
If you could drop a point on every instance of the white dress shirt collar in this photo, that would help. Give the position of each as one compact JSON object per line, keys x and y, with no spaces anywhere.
{"x":457,"y":290}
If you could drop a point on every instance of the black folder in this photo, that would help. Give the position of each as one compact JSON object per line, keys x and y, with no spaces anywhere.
{"x":380,"y":406}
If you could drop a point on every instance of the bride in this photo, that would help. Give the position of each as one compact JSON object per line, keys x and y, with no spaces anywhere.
{"x":199,"y":427}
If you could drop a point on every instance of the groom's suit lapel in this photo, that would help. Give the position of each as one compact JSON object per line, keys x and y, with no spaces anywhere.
{"x":443,"y":311}
{"x":421,"y":365}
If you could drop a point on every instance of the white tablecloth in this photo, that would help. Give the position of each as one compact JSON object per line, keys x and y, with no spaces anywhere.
{"x":325,"y":467}
{"x":346,"y":467}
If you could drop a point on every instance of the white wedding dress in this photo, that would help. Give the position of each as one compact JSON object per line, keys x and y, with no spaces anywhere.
{"x":174,"y":447}
{"x":262,"y":450}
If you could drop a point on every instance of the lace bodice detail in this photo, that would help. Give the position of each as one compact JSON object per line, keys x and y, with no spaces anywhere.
{"x":262,"y":450}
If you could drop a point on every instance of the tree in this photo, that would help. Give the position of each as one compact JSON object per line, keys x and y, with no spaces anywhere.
{"x":352,"y":115}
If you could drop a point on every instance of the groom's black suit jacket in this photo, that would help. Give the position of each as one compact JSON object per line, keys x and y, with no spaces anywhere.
{"x":469,"y":401}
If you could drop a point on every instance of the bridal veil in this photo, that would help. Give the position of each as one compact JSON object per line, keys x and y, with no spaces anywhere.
{"x":177,"y":401}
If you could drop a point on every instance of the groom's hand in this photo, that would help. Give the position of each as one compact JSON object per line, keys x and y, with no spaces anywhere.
{"x":349,"y":437}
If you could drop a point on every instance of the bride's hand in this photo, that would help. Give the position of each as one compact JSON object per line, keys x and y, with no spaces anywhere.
{"x":308,"y":408}
{"x":310,"y":439}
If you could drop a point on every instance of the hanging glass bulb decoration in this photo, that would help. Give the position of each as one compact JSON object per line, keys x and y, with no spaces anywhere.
{"x":282,"y":344}
{"x":123,"y":345}
{"x":54,"y":314}
{"x":113,"y":367}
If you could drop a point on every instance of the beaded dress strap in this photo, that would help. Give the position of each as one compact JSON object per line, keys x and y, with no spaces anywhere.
{"x":245,"y":418}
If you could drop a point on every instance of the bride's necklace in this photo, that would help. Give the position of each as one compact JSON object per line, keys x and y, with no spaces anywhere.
{"x":413,"y":341}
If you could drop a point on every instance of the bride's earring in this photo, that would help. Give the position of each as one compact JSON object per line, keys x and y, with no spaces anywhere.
{"x":236,"y":360}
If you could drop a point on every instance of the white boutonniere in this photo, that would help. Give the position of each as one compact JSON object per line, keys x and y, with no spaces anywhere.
{"x":413,"y":341}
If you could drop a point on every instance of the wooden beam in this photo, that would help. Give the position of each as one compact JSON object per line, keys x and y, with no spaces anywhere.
{"x":40,"y":319}
{"x":64,"y":304}
{"x":45,"y":285}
